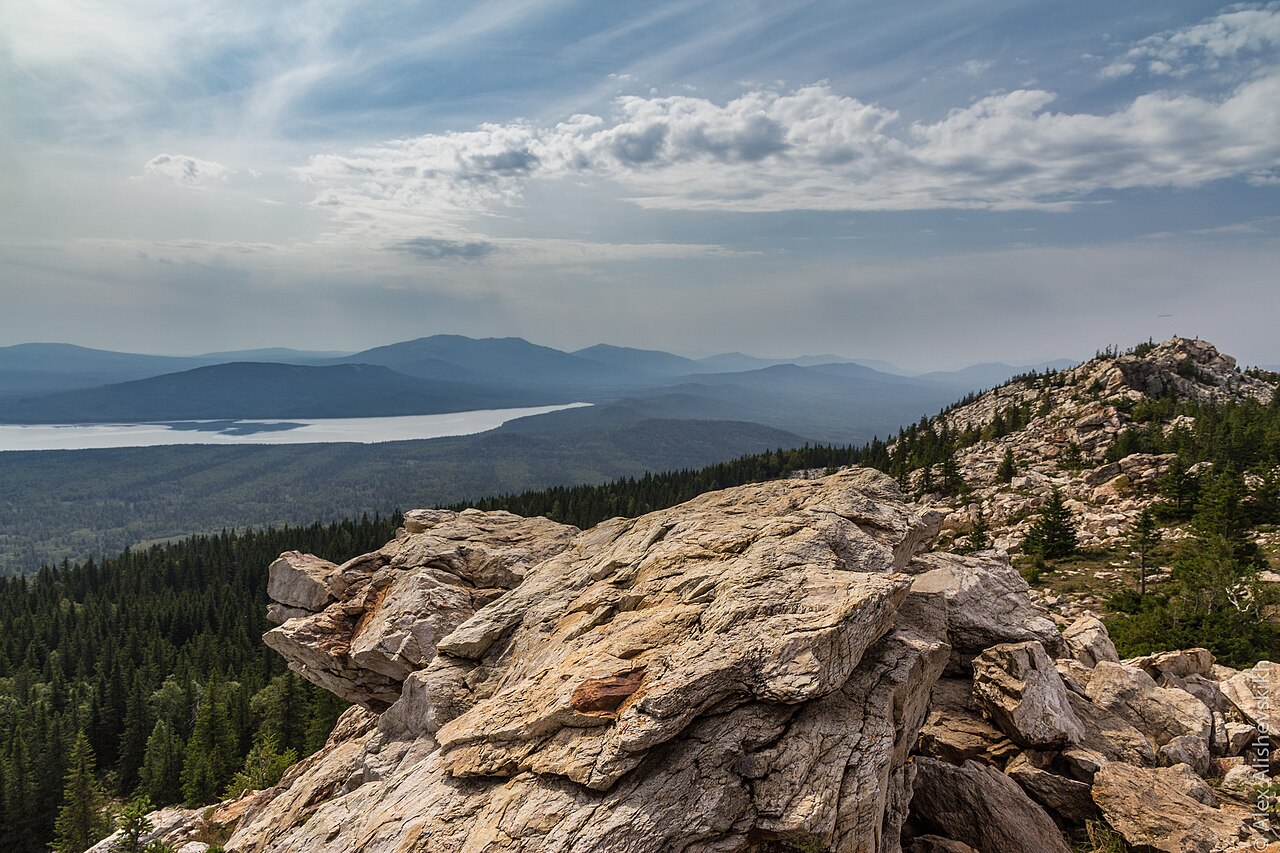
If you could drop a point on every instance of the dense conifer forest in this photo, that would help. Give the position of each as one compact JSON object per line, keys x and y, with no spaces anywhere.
{"x":156,"y":658}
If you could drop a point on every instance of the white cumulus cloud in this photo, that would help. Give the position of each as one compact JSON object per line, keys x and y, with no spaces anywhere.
{"x":1240,"y":33}
{"x":814,"y":149}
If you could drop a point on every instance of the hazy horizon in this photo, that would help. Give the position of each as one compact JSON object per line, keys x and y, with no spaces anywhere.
{"x":932,"y":184}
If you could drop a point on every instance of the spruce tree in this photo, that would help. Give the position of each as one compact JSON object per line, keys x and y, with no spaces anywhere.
{"x":82,"y":820}
{"x":134,"y":824}
{"x":980,"y":534}
{"x":160,"y":778}
{"x":1007,"y":470}
{"x":1052,"y":535}
{"x":210,"y":757}
{"x":952,"y":482}
{"x":1142,"y":539}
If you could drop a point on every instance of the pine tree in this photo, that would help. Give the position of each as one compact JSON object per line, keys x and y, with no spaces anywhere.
{"x":980,"y":534}
{"x":1007,"y":470}
{"x":134,"y":824}
{"x":82,"y":820}
{"x":160,"y":778}
{"x":1052,"y":535}
{"x":210,"y":757}
{"x":1142,"y":539}
{"x":952,"y":482}
{"x":263,"y":767}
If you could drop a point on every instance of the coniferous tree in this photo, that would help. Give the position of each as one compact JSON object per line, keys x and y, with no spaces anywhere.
{"x":1053,"y":534}
{"x":210,"y":755}
{"x":1144,"y":537}
{"x":82,"y":820}
{"x":134,"y":824}
{"x":1007,"y":470}
{"x":160,"y":778}
{"x":979,"y":538}
{"x":952,"y":482}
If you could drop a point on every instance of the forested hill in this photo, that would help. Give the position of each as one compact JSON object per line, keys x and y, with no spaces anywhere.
{"x":126,"y":651}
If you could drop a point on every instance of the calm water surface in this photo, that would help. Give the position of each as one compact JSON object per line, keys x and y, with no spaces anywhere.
{"x":361,"y":430}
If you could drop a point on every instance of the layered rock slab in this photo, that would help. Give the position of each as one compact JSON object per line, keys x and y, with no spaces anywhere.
{"x":709,"y":677}
{"x":378,"y":617}
{"x":770,"y":593}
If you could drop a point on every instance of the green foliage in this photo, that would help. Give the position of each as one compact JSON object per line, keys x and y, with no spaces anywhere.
{"x":134,"y":824}
{"x":1101,"y":838}
{"x":1143,"y":539}
{"x":1053,"y":534}
{"x":82,"y":818}
{"x":979,"y":537}
{"x":1008,"y":469}
{"x":263,"y":767}
{"x":1213,"y":600}
{"x":128,"y":645}
{"x":211,"y":749}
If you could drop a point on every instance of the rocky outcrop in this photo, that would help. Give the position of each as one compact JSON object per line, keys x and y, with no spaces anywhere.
{"x":1075,"y":417}
{"x":359,"y":629}
{"x":702,"y":677}
{"x":774,"y":666}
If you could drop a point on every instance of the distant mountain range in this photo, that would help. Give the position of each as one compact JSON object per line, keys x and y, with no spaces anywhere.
{"x":822,"y":398}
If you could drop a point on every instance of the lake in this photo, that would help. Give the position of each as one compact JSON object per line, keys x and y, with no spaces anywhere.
{"x":279,"y":431}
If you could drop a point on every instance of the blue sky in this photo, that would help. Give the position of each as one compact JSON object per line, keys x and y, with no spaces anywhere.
{"x":935,"y":183}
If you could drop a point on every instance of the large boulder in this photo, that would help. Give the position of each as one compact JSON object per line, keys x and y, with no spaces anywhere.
{"x":1152,"y":810}
{"x":1088,"y":642}
{"x":1063,"y":797}
{"x":698,"y":678}
{"x":1255,"y":692}
{"x":1017,"y":685}
{"x":1160,"y":713}
{"x":987,"y":602}
{"x":981,"y":807}
{"x":301,"y":581}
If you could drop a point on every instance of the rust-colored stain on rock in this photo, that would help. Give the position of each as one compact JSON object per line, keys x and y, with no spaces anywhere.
{"x":606,"y":695}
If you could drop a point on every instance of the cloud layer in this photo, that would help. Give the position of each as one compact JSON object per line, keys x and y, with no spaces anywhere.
{"x":815,"y":149}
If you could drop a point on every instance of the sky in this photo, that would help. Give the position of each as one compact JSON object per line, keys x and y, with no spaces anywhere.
{"x":932,"y":182}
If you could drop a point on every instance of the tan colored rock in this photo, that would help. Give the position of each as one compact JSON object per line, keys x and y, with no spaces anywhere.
{"x":1017,"y":685}
{"x":694,"y":679}
{"x":981,"y":807}
{"x":1189,"y":750}
{"x":301,"y":581}
{"x":1109,"y":735}
{"x":1088,"y":642}
{"x":987,"y":602}
{"x":1178,"y":664}
{"x":720,"y":607}
{"x":1158,"y":712}
{"x":1150,"y":811}
{"x":1064,"y":798}
{"x":1256,"y":693}
{"x":394,"y":605}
